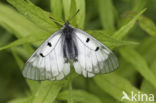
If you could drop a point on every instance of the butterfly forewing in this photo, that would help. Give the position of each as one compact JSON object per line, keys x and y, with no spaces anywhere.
{"x":47,"y":62}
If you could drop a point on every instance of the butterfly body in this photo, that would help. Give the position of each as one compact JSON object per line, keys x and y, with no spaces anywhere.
{"x":51,"y":60}
{"x":69,"y":43}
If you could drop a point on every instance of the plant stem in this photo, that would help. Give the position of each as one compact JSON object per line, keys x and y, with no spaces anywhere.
{"x":70,"y":99}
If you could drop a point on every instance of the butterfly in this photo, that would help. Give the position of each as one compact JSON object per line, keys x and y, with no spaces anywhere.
{"x":52,"y":60}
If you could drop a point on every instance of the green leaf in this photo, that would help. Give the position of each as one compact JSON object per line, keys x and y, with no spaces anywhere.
{"x":21,"y":100}
{"x":122,"y":32}
{"x":139,"y":64}
{"x":5,"y":38}
{"x":56,"y":9}
{"x":106,"y":14}
{"x":146,"y":85}
{"x":27,"y":39}
{"x":139,"y":4}
{"x":148,"y":49}
{"x":107,"y":40}
{"x":48,"y":92}
{"x":67,"y":6}
{"x":147,"y":25}
{"x":114,"y":85}
{"x":32,"y":84}
{"x":80,"y":17}
{"x":16,"y":23}
{"x":38,"y":16}
{"x":96,"y":90}
{"x":80,"y":96}
{"x":18,"y":60}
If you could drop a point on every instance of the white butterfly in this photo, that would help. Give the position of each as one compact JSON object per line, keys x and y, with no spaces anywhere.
{"x":51,"y":60}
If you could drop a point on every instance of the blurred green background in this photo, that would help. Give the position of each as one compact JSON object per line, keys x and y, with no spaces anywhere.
{"x":125,"y":26}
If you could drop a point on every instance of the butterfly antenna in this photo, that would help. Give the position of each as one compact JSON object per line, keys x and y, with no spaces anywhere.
{"x":74,"y":15}
{"x":56,"y":22}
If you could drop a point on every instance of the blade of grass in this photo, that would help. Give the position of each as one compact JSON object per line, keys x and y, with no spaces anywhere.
{"x":38,"y":16}
{"x":25,"y":40}
{"x":66,"y":6}
{"x":139,"y":4}
{"x":96,"y":90}
{"x":107,"y":40}
{"x":5,"y":38}
{"x":21,"y":100}
{"x":146,"y":85}
{"x":114,"y":85}
{"x":73,"y":11}
{"x":32,"y":84}
{"x":21,"y":27}
{"x":106,"y":14}
{"x":147,"y":25}
{"x":139,"y":64}
{"x":70,"y":94}
{"x":123,"y":31}
{"x":16,"y":23}
{"x":80,"y":96}
{"x":148,"y":49}
{"x":48,"y":92}
{"x":56,"y":9}
{"x":80,"y":17}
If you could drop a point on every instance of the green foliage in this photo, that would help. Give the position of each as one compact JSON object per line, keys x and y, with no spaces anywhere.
{"x":80,"y":96}
{"x":147,"y":25}
{"x":123,"y":26}
{"x":106,"y":10}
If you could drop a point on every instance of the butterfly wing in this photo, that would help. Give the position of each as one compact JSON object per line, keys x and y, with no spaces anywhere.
{"x":47,"y":62}
{"x":93,"y":56}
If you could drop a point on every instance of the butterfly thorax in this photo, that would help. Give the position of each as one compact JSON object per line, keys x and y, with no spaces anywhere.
{"x":69,"y":43}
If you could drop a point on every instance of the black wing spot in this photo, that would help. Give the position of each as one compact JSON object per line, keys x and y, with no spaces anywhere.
{"x":87,"y":40}
{"x":97,"y":48}
{"x":49,"y":44}
{"x":42,"y":55}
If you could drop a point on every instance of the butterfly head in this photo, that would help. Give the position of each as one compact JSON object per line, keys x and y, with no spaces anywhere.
{"x":67,"y":28}
{"x":66,"y":24}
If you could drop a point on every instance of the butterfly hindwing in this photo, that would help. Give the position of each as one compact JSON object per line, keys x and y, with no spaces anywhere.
{"x":47,"y":62}
{"x":93,"y":56}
